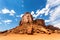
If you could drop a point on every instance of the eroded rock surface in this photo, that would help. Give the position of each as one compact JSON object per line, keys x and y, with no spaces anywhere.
{"x":26,"y":18}
{"x":29,"y":26}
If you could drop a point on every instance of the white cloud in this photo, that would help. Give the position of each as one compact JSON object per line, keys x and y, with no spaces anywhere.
{"x":7,"y":21}
{"x":40,"y":12}
{"x":50,"y":4}
{"x":57,"y":25}
{"x":6,"y":11}
{"x":12,"y":12}
{"x":47,"y":20}
{"x":54,"y":13}
{"x":32,"y":12}
{"x":53,"y":3}
{"x":19,"y":15}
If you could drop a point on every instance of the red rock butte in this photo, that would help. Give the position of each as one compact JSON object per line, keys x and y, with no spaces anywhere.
{"x":29,"y":26}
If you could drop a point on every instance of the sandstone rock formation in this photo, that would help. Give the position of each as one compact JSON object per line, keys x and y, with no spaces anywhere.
{"x":39,"y":22}
{"x":32,"y":25}
{"x":29,"y":26}
{"x":26,"y":18}
{"x":54,"y":29}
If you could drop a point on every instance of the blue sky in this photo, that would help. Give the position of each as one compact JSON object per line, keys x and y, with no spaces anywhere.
{"x":11,"y":12}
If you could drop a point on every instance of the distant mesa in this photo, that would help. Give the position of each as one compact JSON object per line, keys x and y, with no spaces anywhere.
{"x":29,"y":26}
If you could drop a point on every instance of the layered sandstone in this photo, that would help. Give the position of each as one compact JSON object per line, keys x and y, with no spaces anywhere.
{"x":29,"y":26}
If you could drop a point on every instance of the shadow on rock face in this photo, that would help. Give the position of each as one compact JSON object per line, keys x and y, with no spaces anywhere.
{"x":3,"y":32}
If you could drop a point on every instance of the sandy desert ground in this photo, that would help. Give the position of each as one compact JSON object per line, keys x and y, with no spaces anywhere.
{"x":53,"y":36}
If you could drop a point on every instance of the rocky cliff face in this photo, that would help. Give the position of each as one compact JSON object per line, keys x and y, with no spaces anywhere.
{"x":26,"y":18}
{"x":54,"y":29}
{"x":29,"y":26}
{"x":39,"y":22}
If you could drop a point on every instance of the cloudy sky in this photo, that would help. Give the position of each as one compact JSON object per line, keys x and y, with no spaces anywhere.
{"x":11,"y":12}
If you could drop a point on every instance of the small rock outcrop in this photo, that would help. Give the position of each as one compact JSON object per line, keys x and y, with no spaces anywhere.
{"x":54,"y":29}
